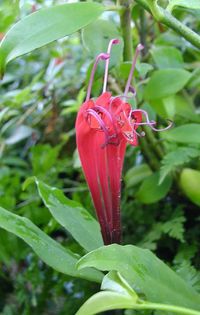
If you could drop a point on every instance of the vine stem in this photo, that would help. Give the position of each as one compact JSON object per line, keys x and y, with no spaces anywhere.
{"x":165,"y":17}
{"x":169,"y":308}
{"x":125,"y":21}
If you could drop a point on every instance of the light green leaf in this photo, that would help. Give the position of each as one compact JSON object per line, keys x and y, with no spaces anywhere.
{"x":167,"y":57}
{"x":176,"y":158}
{"x":70,"y":214}
{"x":166,"y":82}
{"x":144,"y":271}
{"x":51,"y":252}
{"x":150,"y":191}
{"x":105,"y":301}
{"x":45,"y":26}
{"x":188,"y":133}
{"x":97,"y":36}
{"x":190,"y":184}
{"x":118,"y":295}
{"x":136,"y":174}
{"x":189,"y":4}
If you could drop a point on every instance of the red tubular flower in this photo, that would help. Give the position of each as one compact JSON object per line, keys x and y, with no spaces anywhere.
{"x":103,"y":127}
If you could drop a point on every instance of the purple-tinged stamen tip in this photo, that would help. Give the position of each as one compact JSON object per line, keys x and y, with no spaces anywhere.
{"x":140,"y":47}
{"x":102,"y":56}
{"x":137,"y":51}
{"x":113,"y":41}
{"x":132,"y":90}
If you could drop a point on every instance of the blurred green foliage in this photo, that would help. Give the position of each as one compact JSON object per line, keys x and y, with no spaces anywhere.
{"x":39,"y":97}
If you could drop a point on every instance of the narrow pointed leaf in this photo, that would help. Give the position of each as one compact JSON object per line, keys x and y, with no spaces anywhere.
{"x":142,"y":269}
{"x":45,"y":26}
{"x":51,"y":252}
{"x":72,"y":216}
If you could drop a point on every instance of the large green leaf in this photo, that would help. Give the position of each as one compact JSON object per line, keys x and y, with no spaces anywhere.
{"x":51,"y":252}
{"x":189,"y":4}
{"x":45,"y":26}
{"x":151,"y":191}
{"x":166,"y":82}
{"x":118,"y":295}
{"x":70,"y":214}
{"x":144,"y":271}
{"x":96,"y":38}
{"x":188,"y":133}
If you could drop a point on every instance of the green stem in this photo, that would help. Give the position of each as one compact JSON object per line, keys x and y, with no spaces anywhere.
{"x":168,"y":308}
{"x":149,"y":155}
{"x":154,"y":144}
{"x":125,"y":19}
{"x":166,"y":18}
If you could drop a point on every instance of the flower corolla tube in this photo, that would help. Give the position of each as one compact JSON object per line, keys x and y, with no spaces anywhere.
{"x":104,"y":126}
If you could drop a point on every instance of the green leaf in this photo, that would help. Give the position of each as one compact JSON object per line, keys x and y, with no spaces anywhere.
{"x":188,"y":133}
{"x":167,"y":57}
{"x":166,"y":82}
{"x":96,"y":38}
{"x":72,"y":216}
{"x":144,"y":271}
{"x":118,"y":295}
{"x":150,"y":191}
{"x":45,"y":26}
{"x":176,"y":158}
{"x":105,"y":301}
{"x":190,"y":183}
{"x":136,"y":174}
{"x":51,"y":252}
{"x":192,"y":4}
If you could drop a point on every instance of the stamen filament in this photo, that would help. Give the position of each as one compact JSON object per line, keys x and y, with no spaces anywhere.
{"x":138,"y":49}
{"x":148,"y":122}
{"x":112,"y":42}
{"x":102,"y":56}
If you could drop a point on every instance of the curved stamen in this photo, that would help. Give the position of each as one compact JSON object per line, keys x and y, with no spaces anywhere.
{"x":148,"y":122}
{"x":101,"y":56}
{"x":93,"y":113}
{"x":112,"y":42}
{"x":138,"y":49}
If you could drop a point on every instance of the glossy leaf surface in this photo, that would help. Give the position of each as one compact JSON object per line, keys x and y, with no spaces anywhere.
{"x":45,"y":26}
